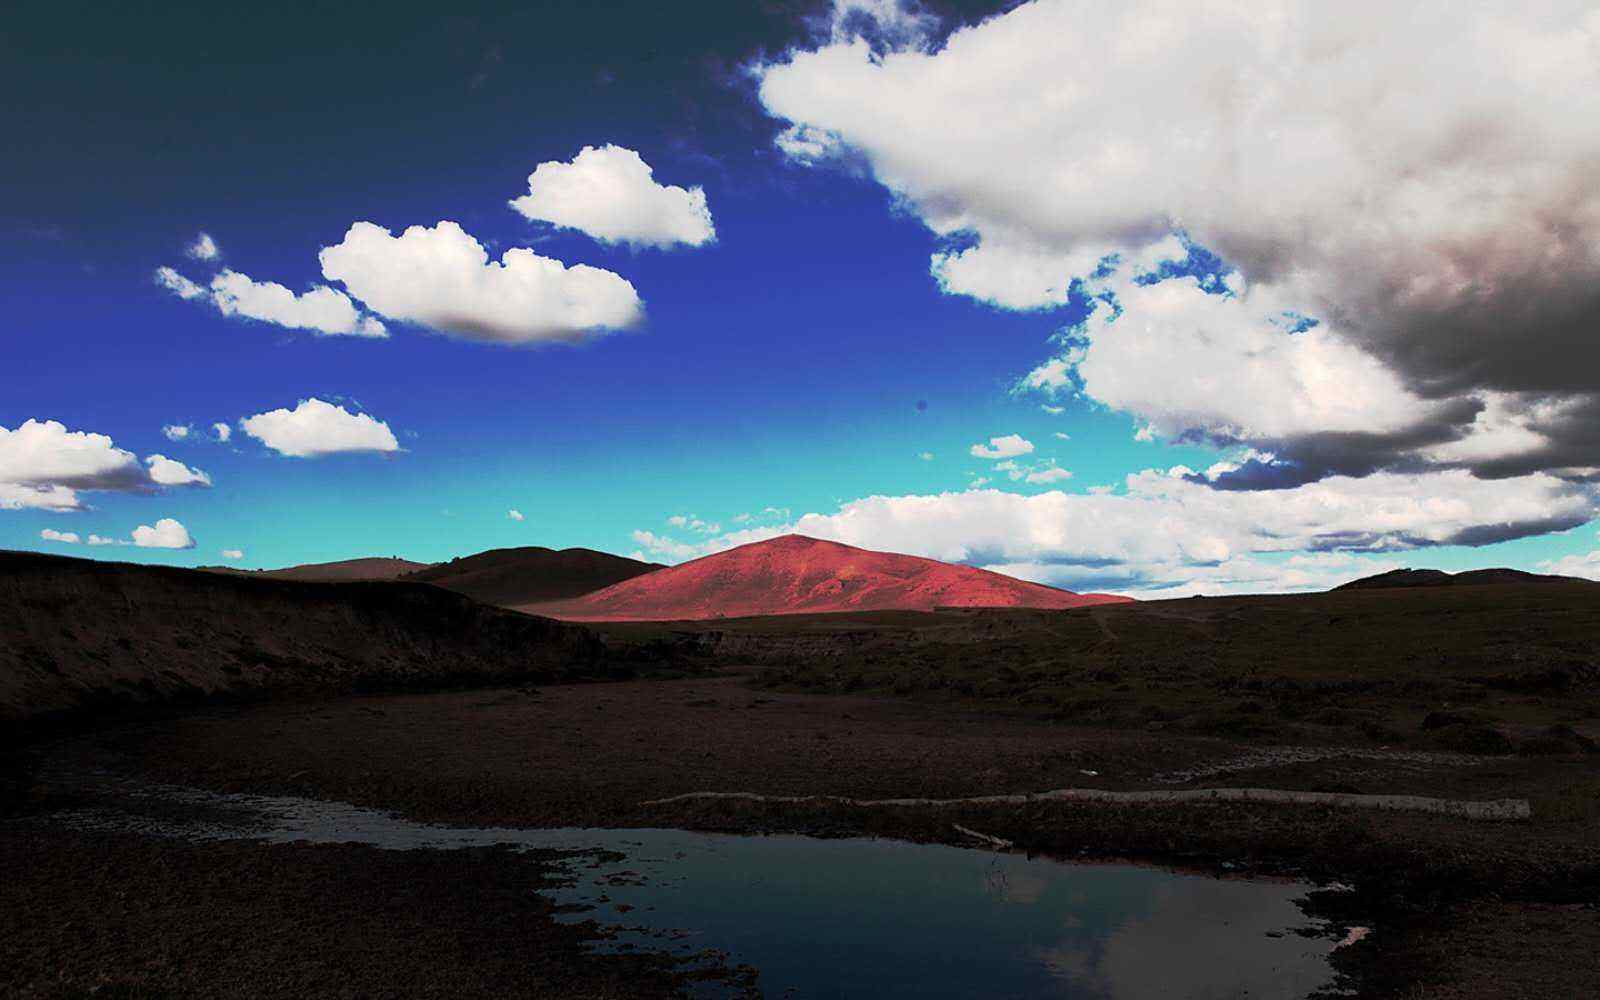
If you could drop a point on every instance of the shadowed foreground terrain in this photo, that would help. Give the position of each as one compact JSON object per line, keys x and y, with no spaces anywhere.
{"x":1461,"y":692}
{"x":1475,"y":668}
{"x":595,"y":754}
{"x":131,"y":918}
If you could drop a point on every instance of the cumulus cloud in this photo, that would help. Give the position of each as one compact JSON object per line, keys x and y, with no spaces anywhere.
{"x":166,"y":534}
{"x":234,"y":554}
{"x":65,"y":537}
{"x":176,"y":432}
{"x":1011,"y":277}
{"x":43,"y":465}
{"x":222,"y":432}
{"x":322,"y":310}
{"x":611,"y":194}
{"x":177,"y":284}
{"x":1036,"y":473}
{"x":514,"y":514}
{"x":1423,"y":180}
{"x":890,"y":23}
{"x":1048,"y":474}
{"x":689,"y":522}
{"x":443,"y":279}
{"x":1166,"y":533}
{"x":102,"y":540}
{"x":315,"y":428}
{"x":771,"y":515}
{"x":1220,"y":365}
{"x":1585,"y":565}
{"x":660,"y":546}
{"x":167,"y":472}
{"x":203,"y":248}
{"x":669,"y":549}
{"x":1009,"y":446}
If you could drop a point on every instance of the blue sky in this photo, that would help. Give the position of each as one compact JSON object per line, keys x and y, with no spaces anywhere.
{"x":805,"y":360}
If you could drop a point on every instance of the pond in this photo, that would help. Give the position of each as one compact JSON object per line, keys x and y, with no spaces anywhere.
{"x":861,"y":917}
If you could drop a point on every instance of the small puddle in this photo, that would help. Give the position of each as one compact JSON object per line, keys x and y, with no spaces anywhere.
{"x":851,"y":918}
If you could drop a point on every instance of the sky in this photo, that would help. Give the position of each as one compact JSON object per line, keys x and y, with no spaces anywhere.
{"x":1132,"y":298}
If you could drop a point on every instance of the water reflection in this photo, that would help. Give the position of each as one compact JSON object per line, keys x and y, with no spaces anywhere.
{"x":865,"y":918}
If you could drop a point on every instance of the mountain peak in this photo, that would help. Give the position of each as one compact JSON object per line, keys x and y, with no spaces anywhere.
{"x":798,"y":574}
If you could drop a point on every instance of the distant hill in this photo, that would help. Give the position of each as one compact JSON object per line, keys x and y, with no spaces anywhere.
{"x":515,"y":577}
{"x":799,"y":575}
{"x":1439,"y":578}
{"x":377,"y":568}
{"x":79,"y":637}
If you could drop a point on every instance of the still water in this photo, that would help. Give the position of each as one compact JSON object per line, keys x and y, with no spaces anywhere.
{"x":866,"y":918}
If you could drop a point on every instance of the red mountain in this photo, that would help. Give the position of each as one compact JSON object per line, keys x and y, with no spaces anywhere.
{"x":799,"y":575}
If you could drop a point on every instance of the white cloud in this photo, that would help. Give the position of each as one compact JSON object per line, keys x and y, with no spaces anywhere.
{"x":610,"y":193}
{"x":1169,"y":534}
{"x":1586,"y":565}
{"x":234,"y":554}
{"x":1011,"y":277}
{"x":1054,"y":411}
{"x":926,"y":456}
{"x":689,"y":522}
{"x":1049,"y":474}
{"x":43,"y":465}
{"x":315,"y":428}
{"x":1037,"y":473}
{"x":1063,"y":436}
{"x":807,"y":145}
{"x":203,"y":248}
{"x":222,"y":432}
{"x":1425,"y":182}
{"x":101,"y":540}
{"x":15,"y":496}
{"x":1180,"y":358}
{"x":672,"y":550}
{"x":658,"y":546}
{"x":1291,"y":136}
{"x":514,"y":514}
{"x":65,"y":537}
{"x":442,"y":278}
{"x":176,"y":432}
{"x":167,"y":534}
{"x":167,"y":472}
{"x":322,"y":310}
{"x":177,"y":284}
{"x":1009,"y":446}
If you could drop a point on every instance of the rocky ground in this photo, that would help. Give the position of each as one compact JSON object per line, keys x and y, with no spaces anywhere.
{"x":101,"y":915}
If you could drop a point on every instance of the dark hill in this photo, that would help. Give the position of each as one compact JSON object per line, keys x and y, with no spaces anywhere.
{"x":376,"y":568}
{"x":1439,"y":578}
{"x":511,"y":577}
{"x":80,"y":637}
